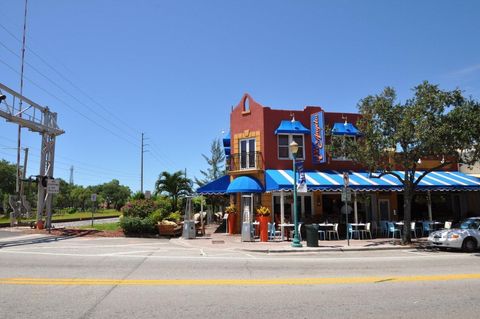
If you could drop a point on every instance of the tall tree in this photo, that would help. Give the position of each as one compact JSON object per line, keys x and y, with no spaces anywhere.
{"x":173,"y":185}
{"x":7,"y":182}
{"x":114,"y":193}
{"x":215,"y":162}
{"x":437,"y":124}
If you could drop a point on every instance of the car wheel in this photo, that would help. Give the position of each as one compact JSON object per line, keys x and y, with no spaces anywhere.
{"x":469,"y":245}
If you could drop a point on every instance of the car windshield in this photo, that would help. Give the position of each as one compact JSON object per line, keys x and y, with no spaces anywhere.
{"x":470,"y":223}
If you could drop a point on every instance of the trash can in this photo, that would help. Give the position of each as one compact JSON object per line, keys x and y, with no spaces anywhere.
{"x":312,"y":235}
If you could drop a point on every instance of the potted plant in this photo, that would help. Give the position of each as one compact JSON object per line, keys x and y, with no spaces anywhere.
{"x":231,"y":210}
{"x":263,"y":214}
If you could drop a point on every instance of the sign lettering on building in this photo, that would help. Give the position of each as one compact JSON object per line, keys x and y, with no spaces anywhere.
{"x":318,"y":137}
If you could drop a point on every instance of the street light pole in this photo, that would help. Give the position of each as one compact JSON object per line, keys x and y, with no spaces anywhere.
{"x":296,"y":241}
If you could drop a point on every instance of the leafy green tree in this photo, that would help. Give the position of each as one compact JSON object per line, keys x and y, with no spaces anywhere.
{"x":215,"y":162}
{"x":7,"y":177}
{"x":7,"y":182}
{"x":437,"y":124}
{"x":173,"y":185}
{"x":81,"y":197}
{"x":114,"y":194}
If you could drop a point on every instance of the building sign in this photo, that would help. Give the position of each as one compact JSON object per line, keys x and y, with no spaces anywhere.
{"x":318,"y":137}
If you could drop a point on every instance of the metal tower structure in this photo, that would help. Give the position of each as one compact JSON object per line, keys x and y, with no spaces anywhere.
{"x":41,"y":120}
{"x":71,"y":175}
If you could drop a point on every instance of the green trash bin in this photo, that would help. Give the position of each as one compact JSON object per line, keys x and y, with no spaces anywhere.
{"x":312,"y":235}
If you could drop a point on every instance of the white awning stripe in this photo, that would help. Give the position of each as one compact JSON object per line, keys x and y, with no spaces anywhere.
{"x":311,"y":180}
{"x":423,"y":181}
{"x":449,"y":178}
{"x":470,"y":180}
{"x":364,"y":178}
{"x":436,"y":180}
{"x":287,"y":177}
{"x":328,"y":178}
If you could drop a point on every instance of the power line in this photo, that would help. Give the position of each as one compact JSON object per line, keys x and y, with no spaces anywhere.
{"x":71,"y":83}
{"x":66,"y":92}
{"x":70,"y":107}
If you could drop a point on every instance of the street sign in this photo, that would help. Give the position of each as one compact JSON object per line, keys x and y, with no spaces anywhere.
{"x":346,"y":179}
{"x":93,"y":197}
{"x":53,"y":186}
{"x":148,"y":194}
{"x":346,"y":195}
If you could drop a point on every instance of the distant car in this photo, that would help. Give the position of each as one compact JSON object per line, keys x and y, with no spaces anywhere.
{"x":465,"y":237}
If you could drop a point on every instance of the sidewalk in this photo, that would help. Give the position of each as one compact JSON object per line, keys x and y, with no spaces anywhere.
{"x":233,"y":242}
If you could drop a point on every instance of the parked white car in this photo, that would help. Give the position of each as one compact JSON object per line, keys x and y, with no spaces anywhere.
{"x":465,"y":237}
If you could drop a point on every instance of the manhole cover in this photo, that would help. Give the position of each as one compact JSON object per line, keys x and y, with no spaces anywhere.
{"x":218,"y":242}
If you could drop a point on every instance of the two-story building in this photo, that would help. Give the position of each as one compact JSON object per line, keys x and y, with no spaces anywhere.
{"x":260,"y":173}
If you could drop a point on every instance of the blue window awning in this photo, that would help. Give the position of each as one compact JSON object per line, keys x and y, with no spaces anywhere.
{"x":345,"y":129}
{"x":291,"y":127}
{"x":276,"y":180}
{"x":226,"y":140}
{"x":227,"y":150}
{"x":217,"y":187}
{"x":245,"y":184}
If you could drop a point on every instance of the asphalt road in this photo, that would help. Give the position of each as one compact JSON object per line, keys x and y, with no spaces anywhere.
{"x":155,"y":278}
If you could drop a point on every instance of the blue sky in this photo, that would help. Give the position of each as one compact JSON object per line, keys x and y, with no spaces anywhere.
{"x":173,"y":69}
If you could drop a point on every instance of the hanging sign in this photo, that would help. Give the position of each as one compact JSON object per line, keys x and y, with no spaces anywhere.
{"x":302,"y":181}
{"x":318,"y":137}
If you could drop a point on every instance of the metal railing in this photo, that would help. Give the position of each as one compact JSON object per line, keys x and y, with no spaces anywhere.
{"x":244,"y":161}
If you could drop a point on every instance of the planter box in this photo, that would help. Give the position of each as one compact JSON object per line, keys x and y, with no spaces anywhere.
{"x":169,"y":230}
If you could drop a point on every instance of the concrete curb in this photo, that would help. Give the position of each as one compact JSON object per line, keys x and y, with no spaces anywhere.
{"x":340,"y":249}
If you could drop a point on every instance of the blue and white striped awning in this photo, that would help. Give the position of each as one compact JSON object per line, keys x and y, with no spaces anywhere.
{"x":276,"y":180}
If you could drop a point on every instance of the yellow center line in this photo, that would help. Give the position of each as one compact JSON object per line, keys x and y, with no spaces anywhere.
{"x":232,"y":282}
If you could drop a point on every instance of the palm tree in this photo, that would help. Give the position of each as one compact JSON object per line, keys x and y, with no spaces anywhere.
{"x":173,"y":185}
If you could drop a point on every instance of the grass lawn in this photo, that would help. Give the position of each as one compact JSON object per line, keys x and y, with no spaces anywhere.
{"x":104,"y":226}
{"x":77,"y":215}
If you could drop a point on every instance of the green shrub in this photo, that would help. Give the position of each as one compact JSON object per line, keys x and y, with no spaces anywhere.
{"x":164,"y":203}
{"x":174,"y":217}
{"x":137,"y":226}
{"x":157,"y":216}
{"x":139,"y":208}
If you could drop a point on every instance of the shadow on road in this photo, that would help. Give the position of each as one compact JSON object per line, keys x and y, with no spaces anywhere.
{"x":64,"y":235}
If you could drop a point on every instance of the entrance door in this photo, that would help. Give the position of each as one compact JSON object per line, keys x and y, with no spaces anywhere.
{"x":384,"y":207}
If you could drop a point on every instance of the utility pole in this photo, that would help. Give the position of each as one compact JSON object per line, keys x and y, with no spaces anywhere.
{"x":141,"y":168}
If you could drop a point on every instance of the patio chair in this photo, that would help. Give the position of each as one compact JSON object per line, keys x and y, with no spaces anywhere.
{"x":292,"y":232}
{"x":333,"y":232}
{"x":426,"y":228}
{"x":384,"y":228}
{"x":352,"y":231}
{"x":413,"y":229}
{"x":321,"y":233}
{"x":366,"y":231}
{"x":393,"y":229}
{"x":274,"y":233}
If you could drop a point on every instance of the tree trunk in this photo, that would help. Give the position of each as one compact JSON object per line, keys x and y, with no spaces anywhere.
{"x":407,"y":213}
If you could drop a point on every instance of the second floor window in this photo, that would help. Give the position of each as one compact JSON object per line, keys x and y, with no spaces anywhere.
{"x":247,"y":153}
{"x":284,"y":141}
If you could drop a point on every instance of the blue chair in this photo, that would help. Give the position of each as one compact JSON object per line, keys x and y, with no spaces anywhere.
{"x":273,"y":232}
{"x":384,"y":228}
{"x":392,"y":230}
{"x":426,"y":228}
{"x":352,"y":231}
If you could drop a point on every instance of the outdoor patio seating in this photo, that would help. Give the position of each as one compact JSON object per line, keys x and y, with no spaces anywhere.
{"x":333,"y":232}
{"x":366,"y":231}
{"x":392,"y":229}
{"x":352,"y":231}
